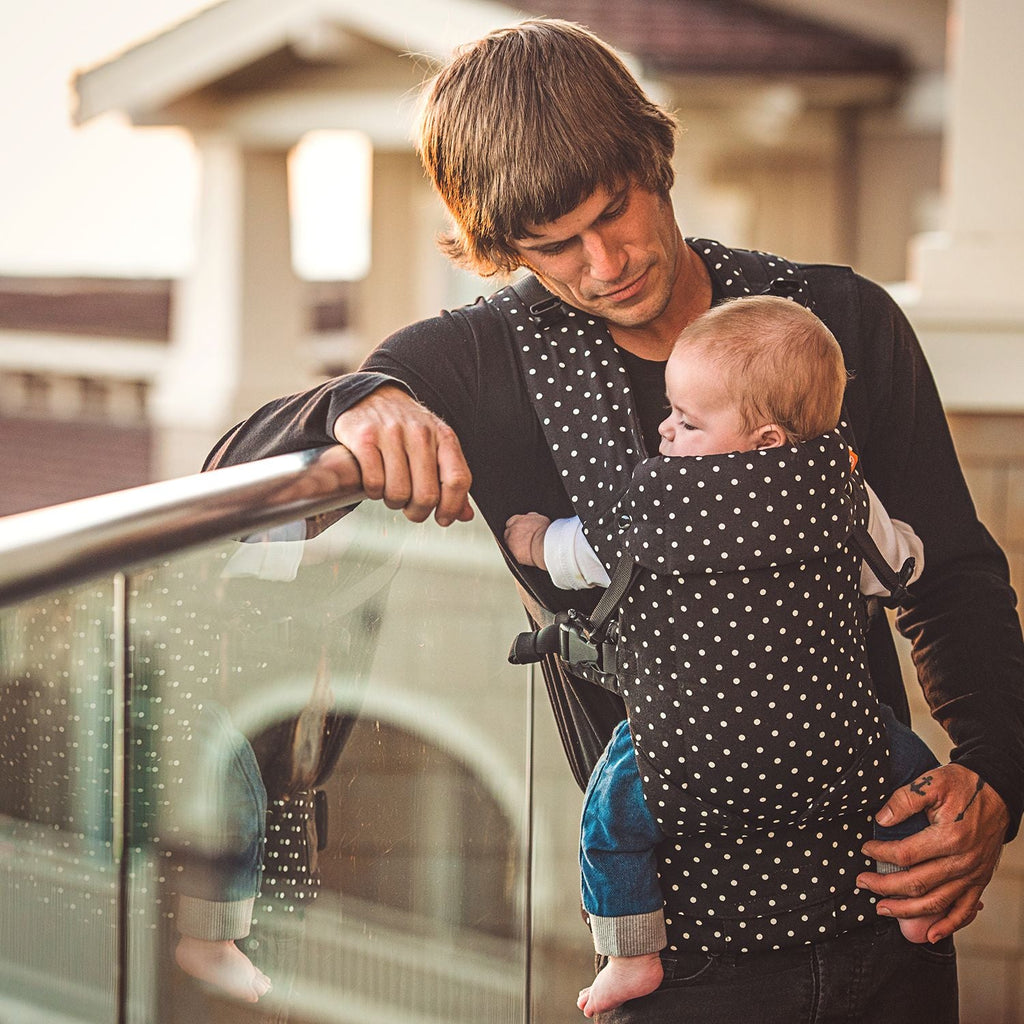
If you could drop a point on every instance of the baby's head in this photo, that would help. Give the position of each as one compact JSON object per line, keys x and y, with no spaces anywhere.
{"x":754,"y":372}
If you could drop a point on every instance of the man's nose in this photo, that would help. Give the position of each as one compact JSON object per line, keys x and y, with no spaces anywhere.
{"x":665,"y":428}
{"x":605,"y":260}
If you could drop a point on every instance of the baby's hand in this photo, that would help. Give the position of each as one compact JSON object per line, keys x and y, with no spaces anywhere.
{"x":524,"y":536}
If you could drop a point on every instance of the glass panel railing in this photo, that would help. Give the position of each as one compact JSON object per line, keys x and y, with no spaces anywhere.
{"x":316,"y":742}
{"x":60,"y":700}
{"x":321,"y":739}
{"x":561,"y":951}
{"x":364,"y":708}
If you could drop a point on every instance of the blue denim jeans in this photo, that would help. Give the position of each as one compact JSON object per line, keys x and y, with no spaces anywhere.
{"x":232,"y":866}
{"x":909,"y":757}
{"x":618,"y":833}
{"x":870,"y":975}
{"x":618,"y":836}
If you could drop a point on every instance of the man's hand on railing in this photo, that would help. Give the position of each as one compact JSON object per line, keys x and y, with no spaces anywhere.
{"x":407,"y":456}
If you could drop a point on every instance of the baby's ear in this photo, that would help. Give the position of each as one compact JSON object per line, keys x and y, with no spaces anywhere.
{"x":770,"y":436}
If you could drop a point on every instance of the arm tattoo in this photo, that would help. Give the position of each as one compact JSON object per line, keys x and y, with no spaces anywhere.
{"x":977,"y":789}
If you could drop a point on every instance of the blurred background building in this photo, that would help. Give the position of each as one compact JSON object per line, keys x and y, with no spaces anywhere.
{"x":883,"y":134}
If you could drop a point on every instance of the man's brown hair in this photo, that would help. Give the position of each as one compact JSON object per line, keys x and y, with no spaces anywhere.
{"x":523,"y":125}
{"x":777,"y":361}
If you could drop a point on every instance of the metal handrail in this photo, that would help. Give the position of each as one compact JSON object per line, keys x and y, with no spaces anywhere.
{"x":68,"y":544}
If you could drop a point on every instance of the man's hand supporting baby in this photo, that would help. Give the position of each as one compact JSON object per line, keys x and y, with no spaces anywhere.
{"x":947,"y":864}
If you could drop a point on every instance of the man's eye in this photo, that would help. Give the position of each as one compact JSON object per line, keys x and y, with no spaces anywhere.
{"x":687,"y":426}
{"x":616,"y":211}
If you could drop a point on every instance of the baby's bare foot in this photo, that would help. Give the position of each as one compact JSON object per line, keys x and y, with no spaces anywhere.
{"x":915,"y":929}
{"x":621,"y":979}
{"x":222,"y":965}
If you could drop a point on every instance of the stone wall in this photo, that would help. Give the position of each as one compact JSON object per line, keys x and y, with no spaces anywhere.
{"x":991,"y":950}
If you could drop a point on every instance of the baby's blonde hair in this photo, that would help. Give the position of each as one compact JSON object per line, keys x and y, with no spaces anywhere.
{"x":777,"y":360}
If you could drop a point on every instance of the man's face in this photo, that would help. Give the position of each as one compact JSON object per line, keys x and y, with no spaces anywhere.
{"x":616,"y":255}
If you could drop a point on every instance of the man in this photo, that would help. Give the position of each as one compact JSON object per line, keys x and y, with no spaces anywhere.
{"x":549,"y":157}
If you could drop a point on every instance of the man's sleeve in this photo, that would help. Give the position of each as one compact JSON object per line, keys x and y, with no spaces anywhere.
{"x":295,"y":422}
{"x":419,"y":358}
{"x":963,"y":625}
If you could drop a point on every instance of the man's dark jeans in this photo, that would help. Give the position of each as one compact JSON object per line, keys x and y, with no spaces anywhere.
{"x":871,"y":975}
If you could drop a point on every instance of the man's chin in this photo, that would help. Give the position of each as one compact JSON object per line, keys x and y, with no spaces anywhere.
{"x":631,"y":313}
{"x":644,"y":309}
{"x":632,"y":318}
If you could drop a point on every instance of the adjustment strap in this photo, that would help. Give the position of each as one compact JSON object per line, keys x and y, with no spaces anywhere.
{"x":893,"y":581}
{"x":545,"y":310}
{"x":618,"y":586}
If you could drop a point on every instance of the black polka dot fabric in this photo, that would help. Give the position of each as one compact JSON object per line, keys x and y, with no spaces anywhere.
{"x":742,"y":662}
{"x":743,"y":668}
{"x":742,"y":638}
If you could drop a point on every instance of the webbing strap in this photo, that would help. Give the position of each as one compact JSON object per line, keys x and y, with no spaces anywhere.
{"x":618,"y":586}
{"x":895,"y":581}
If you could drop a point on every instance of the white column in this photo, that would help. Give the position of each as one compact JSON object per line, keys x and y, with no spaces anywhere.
{"x":969,"y":305}
{"x":238,"y":318}
{"x":408,"y":278}
{"x":980,"y":256}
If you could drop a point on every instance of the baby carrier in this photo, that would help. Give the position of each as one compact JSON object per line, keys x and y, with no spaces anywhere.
{"x":733,"y":630}
{"x":758,"y":759}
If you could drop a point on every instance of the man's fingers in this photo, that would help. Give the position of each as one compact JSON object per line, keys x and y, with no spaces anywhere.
{"x":935,"y":880}
{"x":371,"y":466}
{"x":398,"y":473}
{"x":407,"y":456}
{"x":454,"y":478}
{"x":908,"y":800}
{"x":918,"y":881}
{"x":960,"y":914}
{"x":934,"y":902}
{"x":922,"y":847}
{"x":415,"y":487}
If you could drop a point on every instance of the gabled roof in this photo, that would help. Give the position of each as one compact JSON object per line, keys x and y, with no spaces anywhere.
{"x":223,"y":42}
{"x":230,"y":35}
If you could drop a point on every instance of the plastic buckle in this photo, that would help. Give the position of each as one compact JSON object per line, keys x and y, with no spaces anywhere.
{"x":547,"y":312}
{"x":574,"y":642}
{"x":901,"y":593}
{"x":579,"y":646}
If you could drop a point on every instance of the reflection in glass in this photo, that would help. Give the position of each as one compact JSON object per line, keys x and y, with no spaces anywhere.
{"x":355,"y":724}
{"x":318,"y":739}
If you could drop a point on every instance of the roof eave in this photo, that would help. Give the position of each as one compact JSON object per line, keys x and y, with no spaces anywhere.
{"x":157,"y":72}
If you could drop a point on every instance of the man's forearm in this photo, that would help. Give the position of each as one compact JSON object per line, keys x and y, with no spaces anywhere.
{"x":295,"y":422}
{"x":969,"y":656}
